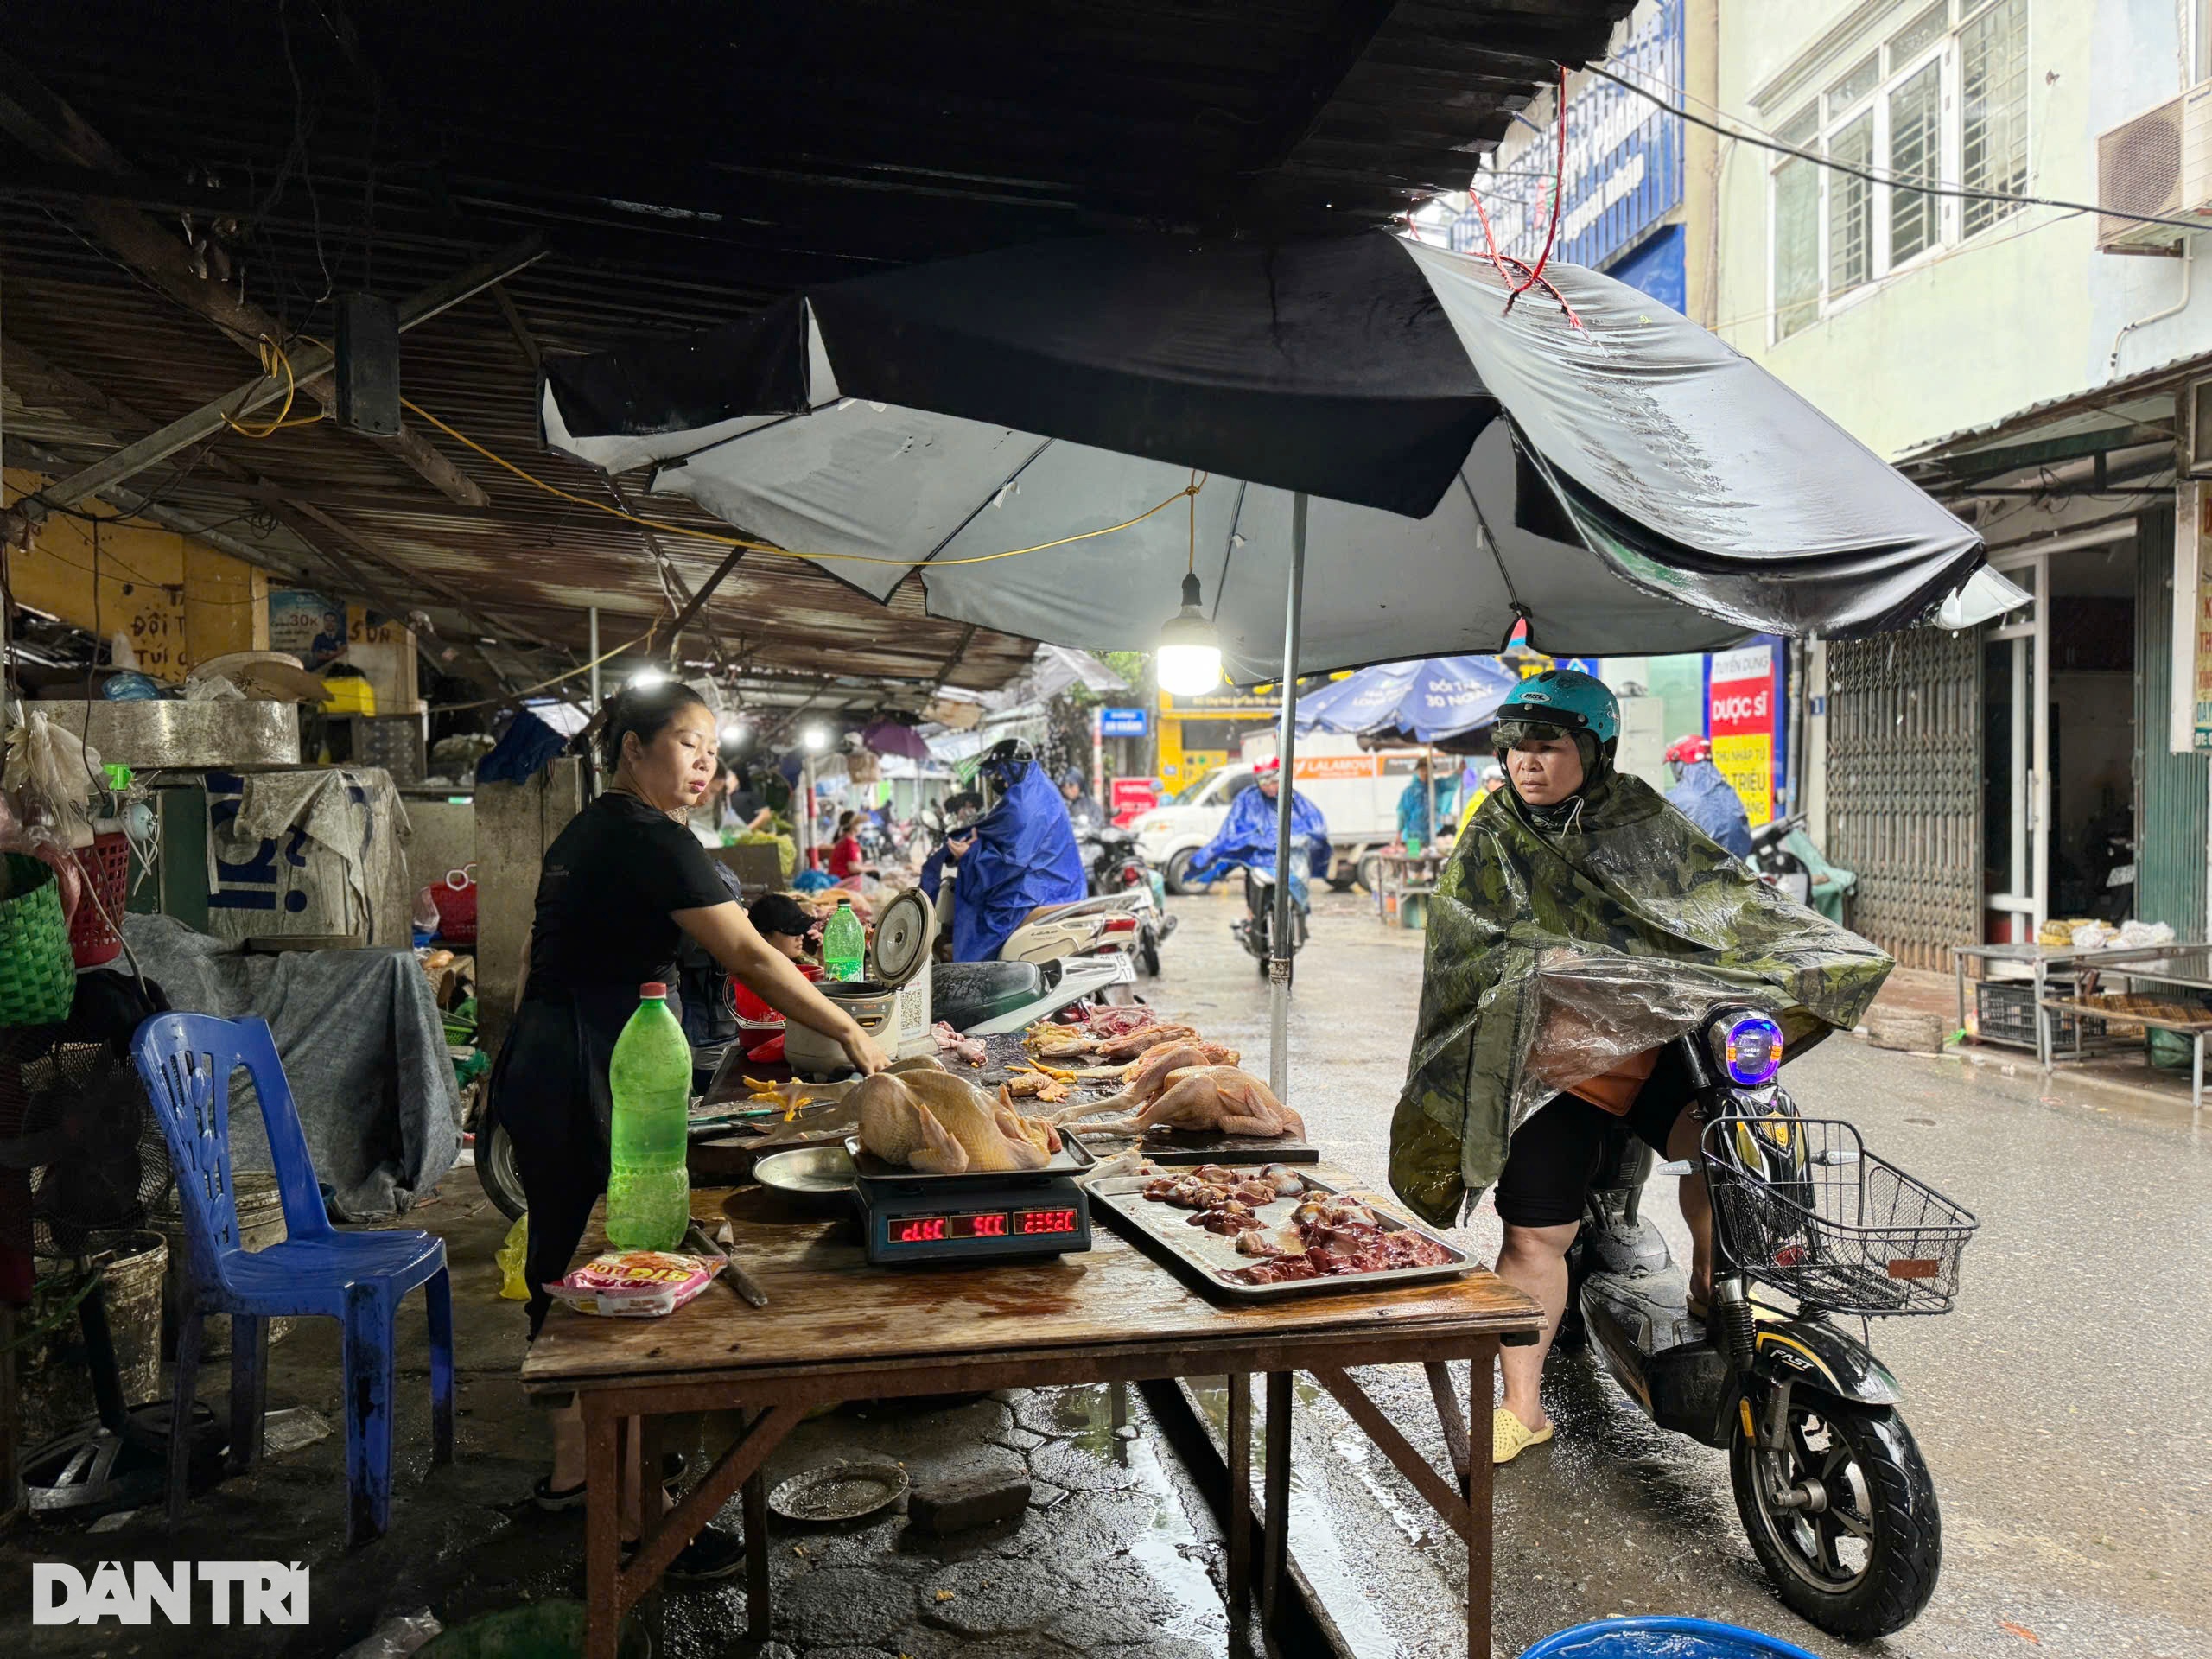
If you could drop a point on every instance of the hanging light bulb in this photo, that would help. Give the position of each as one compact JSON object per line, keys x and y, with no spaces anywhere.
{"x":816,"y":739}
{"x":644,"y":679}
{"x":735,"y":733}
{"x":1188,"y":664}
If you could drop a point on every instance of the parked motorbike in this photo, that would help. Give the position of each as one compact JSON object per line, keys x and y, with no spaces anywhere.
{"x":1118,"y":870}
{"x":1830,"y":1485}
{"x":1777,"y":865}
{"x":1255,"y":930}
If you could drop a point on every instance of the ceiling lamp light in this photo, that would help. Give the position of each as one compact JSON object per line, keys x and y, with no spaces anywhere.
{"x":644,"y":680}
{"x":816,"y":739}
{"x":1189,"y":662}
{"x":734,"y":734}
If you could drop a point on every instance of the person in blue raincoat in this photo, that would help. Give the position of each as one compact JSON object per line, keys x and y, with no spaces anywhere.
{"x":1705,"y":798}
{"x":1020,"y":854}
{"x":1424,"y":806}
{"x":1247,"y":835}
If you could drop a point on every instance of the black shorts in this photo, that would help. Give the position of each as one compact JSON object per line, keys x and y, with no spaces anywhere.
{"x":1554,"y":1157}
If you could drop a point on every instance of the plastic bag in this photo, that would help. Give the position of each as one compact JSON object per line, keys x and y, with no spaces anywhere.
{"x":510,"y":1258}
{"x":54,"y":775}
{"x":396,"y":1635}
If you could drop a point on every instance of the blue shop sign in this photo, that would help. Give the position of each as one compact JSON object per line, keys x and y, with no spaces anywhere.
{"x":1624,"y":162}
{"x":1124,"y":722}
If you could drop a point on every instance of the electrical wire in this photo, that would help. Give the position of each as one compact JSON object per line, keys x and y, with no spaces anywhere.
{"x":1883,"y":176}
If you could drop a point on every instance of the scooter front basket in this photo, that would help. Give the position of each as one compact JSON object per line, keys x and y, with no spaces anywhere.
{"x":1800,"y":1204}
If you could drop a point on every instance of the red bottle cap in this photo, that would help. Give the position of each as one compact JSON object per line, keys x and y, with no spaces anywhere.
{"x":653,"y":988}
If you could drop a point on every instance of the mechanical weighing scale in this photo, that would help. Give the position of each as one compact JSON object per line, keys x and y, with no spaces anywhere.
{"x":908,"y":1216}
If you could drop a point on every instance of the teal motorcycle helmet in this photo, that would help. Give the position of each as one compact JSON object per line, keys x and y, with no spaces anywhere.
{"x":1563,"y":702}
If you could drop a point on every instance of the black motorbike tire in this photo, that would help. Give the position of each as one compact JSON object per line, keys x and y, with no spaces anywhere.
{"x":1905,"y":1549}
{"x":1177,"y":871}
{"x":495,"y":1166}
{"x":1370,"y":873}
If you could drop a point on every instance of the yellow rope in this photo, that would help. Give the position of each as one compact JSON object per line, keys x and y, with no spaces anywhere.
{"x":1191,"y":490}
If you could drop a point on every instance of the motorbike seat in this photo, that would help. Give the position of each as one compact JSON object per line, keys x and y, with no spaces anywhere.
{"x":966,"y":994}
{"x":1047,"y":913}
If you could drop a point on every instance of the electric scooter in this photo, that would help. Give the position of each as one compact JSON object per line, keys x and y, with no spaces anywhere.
{"x":1831,"y":1487}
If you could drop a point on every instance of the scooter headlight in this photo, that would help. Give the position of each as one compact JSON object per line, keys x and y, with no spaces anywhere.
{"x":1749,"y":1050}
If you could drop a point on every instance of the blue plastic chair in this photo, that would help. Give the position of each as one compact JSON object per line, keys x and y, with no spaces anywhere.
{"x":1659,"y":1636}
{"x":358,"y":1279}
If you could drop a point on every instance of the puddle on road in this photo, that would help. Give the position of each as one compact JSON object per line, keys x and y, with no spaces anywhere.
{"x":1321,"y":1551}
{"x":1169,"y":1550}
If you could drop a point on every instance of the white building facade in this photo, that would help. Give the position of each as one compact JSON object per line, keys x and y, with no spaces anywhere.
{"x":2036,"y":368}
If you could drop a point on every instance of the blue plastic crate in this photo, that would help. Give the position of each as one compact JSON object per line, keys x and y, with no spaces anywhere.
{"x":1663,"y":1637}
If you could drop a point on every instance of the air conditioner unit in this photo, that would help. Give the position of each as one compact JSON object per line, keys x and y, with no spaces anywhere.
{"x":2158,"y":163}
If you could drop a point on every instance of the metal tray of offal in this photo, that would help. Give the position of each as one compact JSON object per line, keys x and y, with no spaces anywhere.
{"x":1203,"y":1258}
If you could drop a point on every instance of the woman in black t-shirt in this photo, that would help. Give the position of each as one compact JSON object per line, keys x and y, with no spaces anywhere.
{"x":621,"y":884}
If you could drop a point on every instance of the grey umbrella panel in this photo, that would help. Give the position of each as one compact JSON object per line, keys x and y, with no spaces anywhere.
{"x":862,"y":484}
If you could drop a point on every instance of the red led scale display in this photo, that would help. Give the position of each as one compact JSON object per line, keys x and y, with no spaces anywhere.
{"x":932,"y":1229}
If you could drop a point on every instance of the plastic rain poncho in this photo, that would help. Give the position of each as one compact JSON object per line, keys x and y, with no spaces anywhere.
{"x":1708,"y":800}
{"x":1554,"y":955}
{"x":1247,"y":837}
{"x":1025,"y":856}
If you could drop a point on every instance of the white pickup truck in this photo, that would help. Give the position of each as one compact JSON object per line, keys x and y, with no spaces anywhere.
{"x":1356,"y":790}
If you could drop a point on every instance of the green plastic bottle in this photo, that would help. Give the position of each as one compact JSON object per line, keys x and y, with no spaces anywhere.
{"x":648,"y":1184}
{"x":844,"y":945}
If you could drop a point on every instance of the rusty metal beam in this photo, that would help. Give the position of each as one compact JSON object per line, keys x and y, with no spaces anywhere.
{"x":209,"y":419}
{"x":73,"y":390}
{"x":52,"y":129}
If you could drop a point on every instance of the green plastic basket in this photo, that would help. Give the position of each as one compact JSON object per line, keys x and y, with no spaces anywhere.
{"x":38,"y":976}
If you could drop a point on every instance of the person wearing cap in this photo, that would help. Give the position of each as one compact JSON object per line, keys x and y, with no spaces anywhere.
{"x":620,"y":886}
{"x":782,"y":924}
{"x":1085,"y":814}
{"x":1476,"y":787}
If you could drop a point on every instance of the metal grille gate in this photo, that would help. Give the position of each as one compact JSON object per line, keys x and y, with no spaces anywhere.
{"x":2173,"y":819}
{"x":1905,"y":788}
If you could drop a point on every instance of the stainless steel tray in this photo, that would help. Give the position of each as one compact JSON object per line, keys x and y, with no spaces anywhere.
{"x":1072,"y":1158}
{"x":1203,"y":1257}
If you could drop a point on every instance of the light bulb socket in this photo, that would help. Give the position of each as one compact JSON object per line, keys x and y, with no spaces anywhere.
{"x":1190,"y":591}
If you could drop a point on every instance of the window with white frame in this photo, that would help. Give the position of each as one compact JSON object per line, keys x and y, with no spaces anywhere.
{"x":1941,"y":99}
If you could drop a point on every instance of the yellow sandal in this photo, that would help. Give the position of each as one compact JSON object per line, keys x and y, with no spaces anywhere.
{"x":1510,"y":1437}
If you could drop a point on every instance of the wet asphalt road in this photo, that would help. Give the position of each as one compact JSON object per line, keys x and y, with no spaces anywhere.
{"x":2064,"y":1409}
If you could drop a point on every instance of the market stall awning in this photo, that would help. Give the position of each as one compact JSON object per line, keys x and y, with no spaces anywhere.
{"x":1623,"y":481}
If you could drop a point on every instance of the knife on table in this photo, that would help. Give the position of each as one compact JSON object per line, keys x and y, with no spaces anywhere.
{"x":746,"y":1289}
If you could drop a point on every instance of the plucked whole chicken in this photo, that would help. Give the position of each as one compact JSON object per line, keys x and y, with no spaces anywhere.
{"x":1207,"y":1099}
{"x":945,"y":1125}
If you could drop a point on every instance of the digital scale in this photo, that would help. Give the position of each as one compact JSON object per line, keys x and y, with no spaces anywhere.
{"x":910,"y":1218}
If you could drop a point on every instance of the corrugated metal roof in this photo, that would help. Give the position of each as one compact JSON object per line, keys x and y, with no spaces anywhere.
{"x":686,"y":165}
{"x":2141,"y":399}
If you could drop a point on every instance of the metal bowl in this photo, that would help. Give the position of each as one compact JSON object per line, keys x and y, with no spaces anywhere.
{"x":841,"y":1490}
{"x":818,"y":1178}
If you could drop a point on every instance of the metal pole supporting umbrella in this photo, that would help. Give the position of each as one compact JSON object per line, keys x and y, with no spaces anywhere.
{"x":1285,"y":745}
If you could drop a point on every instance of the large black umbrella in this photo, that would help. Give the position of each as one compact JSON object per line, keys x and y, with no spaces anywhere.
{"x":1631,"y":484}
{"x":1586,"y":458}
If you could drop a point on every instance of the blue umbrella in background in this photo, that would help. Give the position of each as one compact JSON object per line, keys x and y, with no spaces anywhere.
{"x":1431,"y":699}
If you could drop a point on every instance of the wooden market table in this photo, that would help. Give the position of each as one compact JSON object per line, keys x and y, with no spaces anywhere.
{"x":2181,"y":963}
{"x":835,"y":1329}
